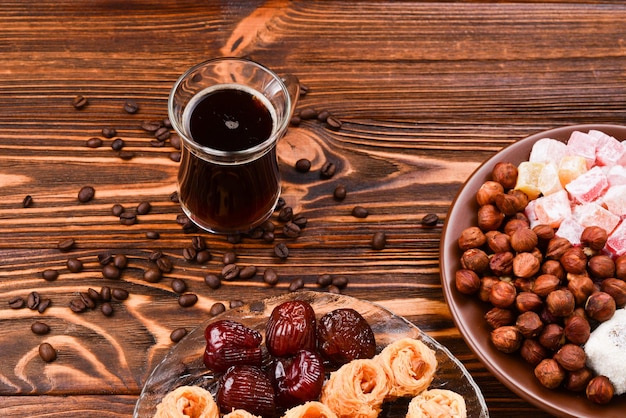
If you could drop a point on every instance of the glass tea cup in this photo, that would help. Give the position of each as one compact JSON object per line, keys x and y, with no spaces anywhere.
{"x":230,"y":114}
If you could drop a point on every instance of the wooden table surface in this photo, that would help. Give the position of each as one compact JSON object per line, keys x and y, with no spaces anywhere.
{"x":425,"y":93}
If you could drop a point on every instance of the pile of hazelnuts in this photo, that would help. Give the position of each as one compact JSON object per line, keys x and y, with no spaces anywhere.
{"x":545,"y":295}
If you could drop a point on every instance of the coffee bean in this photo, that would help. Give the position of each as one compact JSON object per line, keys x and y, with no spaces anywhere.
{"x":333,"y":289}
{"x":89,"y":303}
{"x":43,"y":305}
{"x":270,"y":277}
{"x":153,"y":235}
{"x":86,"y":193}
{"x":230,"y":272}
{"x":339,"y":193}
{"x":120,"y":261}
{"x":27,"y":201}
{"x":93,"y":143}
{"x":32,"y":301}
{"x":17,"y":302}
{"x":178,"y":334}
{"x":324,"y":280}
{"x":74,"y":265}
{"x":256,"y":233}
{"x":333,"y":123}
{"x":281,"y":250}
{"x":291,"y":230}
{"x":308,"y":113}
{"x":234,"y":304}
{"x":268,"y":226}
{"x":217,"y":308}
{"x":213,"y":281}
{"x":77,"y":305}
{"x":110,"y":271}
{"x":117,"y":144}
{"x":285,"y":214}
{"x":167,"y":123}
{"x":93,"y":294}
{"x":268,"y":236}
{"x":105,"y":293}
{"x":50,"y":275}
{"x":175,"y":156}
{"x":144,"y":208}
{"x":328,"y":170}
{"x":229,"y":257}
{"x":131,"y":106}
{"x":296,"y":284}
{"x":118,"y":293}
{"x":340,"y":281}
{"x":203,"y":256}
{"x":151,"y":125}
{"x":300,"y":220}
{"x":360,"y":212}
{"x":303,"y":165}
{"x":155,"y":255}
{"x":189,"y":253}
{"x":152,"y":275}
{"x":80,"y":102}
{"x":304,"y":89}
{"x":295,"y":120}
{"x":40,"y":328}
{"x":109,"y":132}
{"x":178,"y":285}
{"x":47,"y":352}
{"x":165,"y":264}
{"x":157,"y":144}
{"x":174,"y":197}
{"x":430,"y":220}
{"x":323,"y":115}
{"x":105,"y":258}
{"x":106,"y":308}
{"x":247,"y":272}
{"x":198,"y":243}
{"x":126,"y":155}
{"x":175,"y":141}
{"x":117,"y":209}
{"x":128,"y":218}
{"x":162,"y":134}
{"x":379,"y":240}
{"x":66,"y":244}
{"x":187,"y":300}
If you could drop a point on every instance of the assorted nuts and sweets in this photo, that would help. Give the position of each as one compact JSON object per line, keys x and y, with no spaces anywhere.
{"x":548,"y":254}
{"x":305,"y":366}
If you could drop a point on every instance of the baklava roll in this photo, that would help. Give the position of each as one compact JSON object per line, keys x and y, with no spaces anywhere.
{"x":240,"y":413}
{"x":188,"y":401}
{"x":311,"y":409}
{"x":437,"y":403}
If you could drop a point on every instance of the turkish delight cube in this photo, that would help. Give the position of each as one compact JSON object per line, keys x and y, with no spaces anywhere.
{"x":528,"y":178}
{"x":609,"y":151}
{"x":553,"y":209}
{"x":588,"y":186}
{"x":615,"y":199}
{"x":616,"y":243}
{"x":583,"y":145}
{"x":616,"y":175}
{"x":593,"y":214}
{"x":549,"y":182}
{"x":547,"y":150}
{"x":570,"y":167}
{"x":571,"y":230}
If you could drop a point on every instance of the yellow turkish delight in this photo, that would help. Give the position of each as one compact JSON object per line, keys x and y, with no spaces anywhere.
{"x":528,"y":174}
{"x":570,"y":167}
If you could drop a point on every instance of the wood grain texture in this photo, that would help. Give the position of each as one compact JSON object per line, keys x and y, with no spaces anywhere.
{"x":425,"y":91}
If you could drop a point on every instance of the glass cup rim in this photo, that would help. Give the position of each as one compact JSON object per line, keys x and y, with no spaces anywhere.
{"x":238,"y":156}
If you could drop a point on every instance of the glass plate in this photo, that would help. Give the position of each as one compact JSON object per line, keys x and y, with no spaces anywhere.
{"x":183,"y":365}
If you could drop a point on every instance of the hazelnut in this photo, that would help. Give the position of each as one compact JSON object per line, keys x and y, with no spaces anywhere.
{"x":524,"y":240}
{"x":529,"y":324}
{"x":505,"y":174}
{"x":467,"y":281}
{"x":507,"y":203}
{"x":544,"y":232}
{"x":528,"y":301}
{"x":501,"y":264}
{"x":574,"y":260}
{"x":533,"y":352}
{"x":471,"y":237}
{"x":545,"y":284}
{"x":577,"y":380}
{"x":525,"y":265}
{"x":616,"y":288}
{"x":561,"y":302}
{"x":498,"y":242}
{"x":601,"y":266}
{"x":553,"y":267}
{"x":600,"y":390}
{"x":620,"y":267}
{"x":475,"y":259}
{"x":522,"y":284}
{"x":503,"y":294}
{"x":489,"y":218}
{"x":600,"y":306}
{"x":557,"y":247}
{"x":514,"y":224}
{"x":507,"y":338}
{"x":487,"y":192}
{"x":498,"y":317}
{"x":521,"y":199}
{"x":551,"y":337}
{"x":577,"y":329}
{"x":549,"y":373}
{"x":594,"y":237}
{"x":581,"y":287}
{"x":485,"y":287}
{"x":571,"y":357}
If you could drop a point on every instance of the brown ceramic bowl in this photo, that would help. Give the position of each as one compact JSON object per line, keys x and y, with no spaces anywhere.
{"x":468,"y":311}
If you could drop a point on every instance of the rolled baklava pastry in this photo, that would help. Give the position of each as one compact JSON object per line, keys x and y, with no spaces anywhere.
{"x":410,"y":365}
{"x":356,"y":390}
{"x":240,"y":413}
{"x":437,"y":403}
{"x":311,"y":409}
{"x":188,"y":401}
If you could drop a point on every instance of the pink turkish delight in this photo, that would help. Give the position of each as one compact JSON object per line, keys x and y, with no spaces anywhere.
{"x":593,"y":214}
{"x":615,"y":200}
{"x":570,"y":230}
{"x":609,"y":151}
{"x":616,"y":243}
{"x":553,"y":209}
{"x":548,"y":150}
{"x":616,"y":175}
{"x":583,"y":145}
{"x":588,"y":186}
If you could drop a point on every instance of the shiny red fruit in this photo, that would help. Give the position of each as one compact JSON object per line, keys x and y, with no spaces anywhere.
{"x":344,"y":335}
{"x":248,"y":388}
{"x":231,"y":343}
{"x":291,"y":328}
{"x":298,"y":379}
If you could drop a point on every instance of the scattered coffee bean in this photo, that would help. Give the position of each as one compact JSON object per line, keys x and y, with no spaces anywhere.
{"x":74,"y":265}
{"x":230,"y":272}
{"x":110,"y":271}
{"x":117,"y":144}
{"x":47,"y":352}
{"x":155,"y":255}
{"x":105,"y":258}
{"x":117,"y":209}
{"x":295,"y":120}
{"x":50,"y":275}
{"x":175,"y":141}
{"x":43,"y":305}
{"x":106,"y":308}
{"x":27,"y":201}
{"x":93,"y":143}
{"x":153,"y":235}
{"x":105,"y":293}
{"x":203,"y":256}
{"x":109,"y":132}
{"x":430,"y":220}
{"x":175,"y":156}
{"x":157,"y":144}
{"x":151,"y":125}
{"x":66,"y":245}
{"x":32,"y":301}
{"x":174,"y":197}
{"x":333,"y":123}
{"x":86,"y":193}
{"x":270,"y":277}
{"x":229,"y":257}
{"x":268,"y":226}
{"x":120,"y":261}
{"x":300,"y":220}
{"x":198,"y":243}
{"x":308,"y":113}
{"x":167,"y":123}
{"x":80,"y":102}
{"x":131,"y":106}
{"x":128,"y":218}
{"x":77,"y":305}
{"x":126,"y":155}
{"x":268,"y":236}
{"x":333,"y":289}
{"x":217,"y":308}
{"x":303,"y":165}
{"x":247,"y":272}
{"x":188,"y":299}
{"x":89,"y":303}
{"x":152,"y":275}
{"x":296,"y":284}
{"x":339,"y":193}
{"x":178,"y":285}
{"x":328,"y":170}
{"x":323,"y":115}
{"x":324,"y":280}
{"x":360,"y":212}
{"x":281,"y":250}
{"x":40,"y":328}
{"x":234,"y":304}
{"x":379,"y":240}
{"x":164,"y":264}
{"x":213,"y":281}
{"x":285,"y":214}
{"x":189,"y":254}
{"x":162,"y":134}
{"x":93,"y":294}
{"x":118,"y":293}
{"x":304,"y":89}
{"x":178,"y":334}
{"x":17,"y":302}
{"x":340,"y":281}
{"x":291,"y":230}
{"x":256,"y":233}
